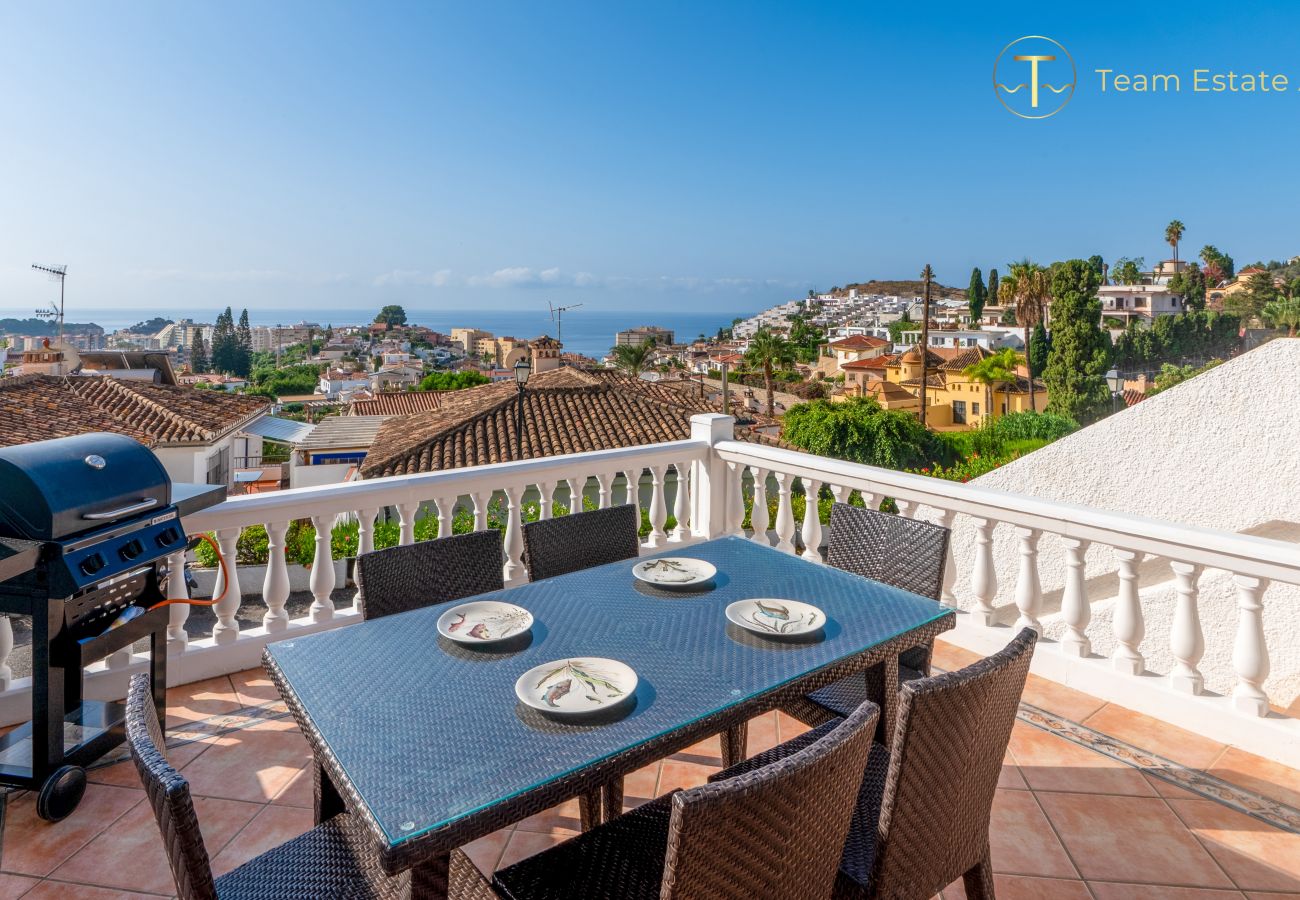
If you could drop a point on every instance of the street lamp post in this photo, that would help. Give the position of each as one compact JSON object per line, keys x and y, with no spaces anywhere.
{"x":1116,"y":382}
{"x":522,"y":370}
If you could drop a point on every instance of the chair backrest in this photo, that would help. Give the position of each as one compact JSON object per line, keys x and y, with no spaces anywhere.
{"x":169,"y":795}
{"x":581,"y":540}
{"x":775,"y":833}
{"x":952,"y":734}
{"x":398,"y":579}
{"x":905,"y":553}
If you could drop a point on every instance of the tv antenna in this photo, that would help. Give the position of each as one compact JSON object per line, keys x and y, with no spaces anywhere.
{"x":557,"y":316}
{"x":56,"y":273}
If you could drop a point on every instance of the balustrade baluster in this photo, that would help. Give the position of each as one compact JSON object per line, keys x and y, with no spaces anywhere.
{"x":682,"y":502}
{"x":983,"y":577}
{"x":322,"y":567}
{"x":177,"y":613}
{"x":840,"y":493}
{"x":658,"y":507}
{"x":605,"y":480}
{"x":227,"y":628}
{"x":758,"y":512}
{"x":481,"y":501}
{"x":1076,"y":610}
{"x":632,"y":490}
{"x":275,"y":586}
{"x":513,"y":570}
{"x":1186,"y":640}
{"x":545,"y":493}
{"x":6,"y":647}
{"x":735,"y":499}
{"x":1029,"y":590}
{"x":406,"y":513}
{"x":576,"y":487}
{"x":446,"y":507}
{"x":948,"y":594}
{"x":1249,"y":651}
{"x":1128,"y":625}
{"x":784,"y":513}
{"x":905,"y":508}
{"x":812,"y":523}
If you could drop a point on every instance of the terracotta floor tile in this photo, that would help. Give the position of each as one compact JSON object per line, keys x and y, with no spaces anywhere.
{"x":524,"y":844}
{"x":1063,"y":701}
{"x":950,"y":657}
{"x":249,"y":765}
{"x":1021,"y":839}
{"x":639,"y":786}
{"x":1169,"y":790}
{"x":486,"y":851}
{"x":35,"y":847}
{"x":788,"y":726}
{"x":707,"y":752}
{"x":1107,"y":891}
{"x":1130,"y":839}
{"x":1269,"y":895}
{"x":563,"y":819}
{"x":762,"y":734}
{"x":678,"y":774}
{"x":273,"y":826}
{"x":300,"y":791}
{"x":1010,"y":778}
{"x":58,"y":890}
{"x":16,"y":885}
{"x":1022,"y":887}
{"x":201,"y":699}
{"x":1257,"y":856}
{"x":125,"y":774}
{"x":1263,"y":776}
{"x":130,"y":855}
{"x":1159,"y":737}
{"x":1051,"y":763}
{"x":254,"y":687}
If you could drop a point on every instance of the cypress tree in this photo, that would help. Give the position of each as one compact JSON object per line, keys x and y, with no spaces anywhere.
{"x":1080,"y":350}
{"x":223,"y":340}
{"x":1036,"y":352}
{"x":975,"y":296}
{"x":242,"y":353}
{"x":198,"y":354}
{"x":992,"y":295}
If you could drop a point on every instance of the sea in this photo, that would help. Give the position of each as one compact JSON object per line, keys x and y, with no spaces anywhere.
{"x":586,"y":331}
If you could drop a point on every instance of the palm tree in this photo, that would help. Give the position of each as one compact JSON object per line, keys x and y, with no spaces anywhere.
{"x":927,"y":275}
{"x":1173,"y":234}
{"x":633,"y":358}
{"x":770,"y":351}
{"x":1028,"y":288}
{"x":994,"y":369}
{"x":1283,"y":314}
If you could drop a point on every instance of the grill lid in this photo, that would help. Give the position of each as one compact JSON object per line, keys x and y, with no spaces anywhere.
{"x":50,"y":490}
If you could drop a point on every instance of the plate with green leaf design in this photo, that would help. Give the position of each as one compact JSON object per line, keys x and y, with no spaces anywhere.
{"x":776,"y":618}
{"x":674,"y":572}
{"x":577,"y":686}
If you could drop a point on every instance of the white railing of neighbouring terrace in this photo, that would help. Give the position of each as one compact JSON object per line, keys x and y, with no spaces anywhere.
{"x":705,"y":485}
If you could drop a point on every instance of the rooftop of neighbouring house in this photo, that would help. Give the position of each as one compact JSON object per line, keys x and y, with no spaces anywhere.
{"x":1095,"y":801}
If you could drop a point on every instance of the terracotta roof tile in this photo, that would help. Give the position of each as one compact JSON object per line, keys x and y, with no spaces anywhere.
{"x":859,"y":342}
{"x":397,"y":403}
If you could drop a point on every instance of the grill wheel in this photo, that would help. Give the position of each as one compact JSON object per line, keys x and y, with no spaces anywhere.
{"x":61,"y":793}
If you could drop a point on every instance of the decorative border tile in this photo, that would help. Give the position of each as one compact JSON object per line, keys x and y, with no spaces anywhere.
{"x":1272,"y":812}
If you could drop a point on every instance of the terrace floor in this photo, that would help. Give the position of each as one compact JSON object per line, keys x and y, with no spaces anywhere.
{"x":1095,"y":801}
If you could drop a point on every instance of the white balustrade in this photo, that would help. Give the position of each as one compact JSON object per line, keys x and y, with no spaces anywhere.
{"x":513,"y":569}
{"x":1076,"y":611}
{"x":681,"y":503}
{"x":1029,"y":590}
{"x":632,"y":490}
{"x":545,"y":499}
{"x":784,"y":513}
{"x":576,"y":486}
{"x":322,"y":570}
{"x":446,"y":507}
{"x":735,"y":499}
{"x":406,"y":513}
{"x":177,"y":613}
{"x":983,"y":576}
{"x":481,"y":499}
{"x":1249,"y":652}
{"x":948,"y":595}
{"x":658,"y":507}
{"x":1186,"y":640}
{"x":606,"y":482}
{"x":758,"y":511}
{"x":1128,"y":625}
{"x":812,"y":524}
{"x":226,"y":630}
{"x":275,"y":585}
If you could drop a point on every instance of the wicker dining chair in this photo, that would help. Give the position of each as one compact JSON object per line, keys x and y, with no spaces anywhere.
{"x":398,"y":579}
{"x":581,"y":540}
{"x":334,"y":859}
{"x":922,"y":815}
{"x":774,"y":833}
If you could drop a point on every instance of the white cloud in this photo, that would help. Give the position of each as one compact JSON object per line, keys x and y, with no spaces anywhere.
{"x":403,"y":277}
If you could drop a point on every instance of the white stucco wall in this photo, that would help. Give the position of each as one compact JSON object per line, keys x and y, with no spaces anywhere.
{"x":1219,"y":451}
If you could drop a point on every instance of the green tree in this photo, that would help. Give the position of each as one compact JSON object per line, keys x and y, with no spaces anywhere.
{"x":1036,"y":352}
{"x":1283,"y":313}
{"x":861,"y":431}
{"x":975,"y":296}
{"x":223,"y":352}
{"x":198,"y":355}
{"x":1027,"y":289}
{"x":453,"y":381}
{"x":995,"y":369}
{"x":1219,"y":266}
{"x":1190,"y":285}
{"x":1080,"y":353}
{"x":769,"y":351}
{"x":1173,"y":235}
{"x":1171,"y":375}
{"x":633,"y":358}
{"x":1128,"y":271}
{"x":991,"y":295}
{"x":1249,"y":303}
{"x":1098,"y":265}
{"x":390,"y":316}
{"x":241,"y":360}
{"x":899,"y":325}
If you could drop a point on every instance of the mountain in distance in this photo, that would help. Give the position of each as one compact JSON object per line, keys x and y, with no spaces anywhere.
{"x":901,"y":289}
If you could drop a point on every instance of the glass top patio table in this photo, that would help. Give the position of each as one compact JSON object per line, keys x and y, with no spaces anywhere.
{"x":423,"y":733}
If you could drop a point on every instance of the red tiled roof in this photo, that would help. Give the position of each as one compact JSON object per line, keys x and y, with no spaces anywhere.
{"x":397,"y":403}
{"x":873,"y":362}
{"x":36,"y":407}
{"x":1132,"y":397}
{"x":859,"y":342}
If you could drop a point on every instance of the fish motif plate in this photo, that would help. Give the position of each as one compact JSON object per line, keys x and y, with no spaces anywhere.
{"x":674,"y":572}
{"x":776,"y":618}
{"x":572,"y":687}
{"x":484,"y":622}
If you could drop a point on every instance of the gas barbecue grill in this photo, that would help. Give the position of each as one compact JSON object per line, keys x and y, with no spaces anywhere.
{"x":86,"y":525}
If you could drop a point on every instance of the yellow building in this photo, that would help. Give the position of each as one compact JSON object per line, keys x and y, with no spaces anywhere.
{"x":954,"y":402}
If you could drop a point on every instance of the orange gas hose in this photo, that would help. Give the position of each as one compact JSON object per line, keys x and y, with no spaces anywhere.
{"x":225,"y":580}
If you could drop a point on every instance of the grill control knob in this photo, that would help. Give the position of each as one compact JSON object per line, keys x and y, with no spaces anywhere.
{"x":93,"y":563}
{"x":131,"y":549}
{"x":168,"y":536}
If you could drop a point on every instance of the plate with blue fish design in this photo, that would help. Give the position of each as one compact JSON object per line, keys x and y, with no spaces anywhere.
{"x":674,"y":572}
{"x":576,"y":686}
{"x":484,"y":622}
{"x":776,"y":618}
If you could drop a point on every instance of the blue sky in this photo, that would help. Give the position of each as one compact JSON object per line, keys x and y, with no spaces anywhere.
{"x":653,"y":155}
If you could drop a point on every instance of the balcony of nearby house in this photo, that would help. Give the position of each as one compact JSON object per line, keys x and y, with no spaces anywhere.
{"x":1155,"y":749}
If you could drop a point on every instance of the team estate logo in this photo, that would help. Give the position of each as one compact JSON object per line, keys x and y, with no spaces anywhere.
{"x":1034,"y":77}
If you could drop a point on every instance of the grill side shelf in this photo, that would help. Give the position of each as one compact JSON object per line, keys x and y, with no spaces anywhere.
{"x":17,"y":557}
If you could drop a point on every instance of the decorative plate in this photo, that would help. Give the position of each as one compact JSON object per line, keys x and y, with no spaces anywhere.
{"x":674,"y":572}
{"x":484,"y":622}
{"x":776,"y":618}
{"x":571,"y":687}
